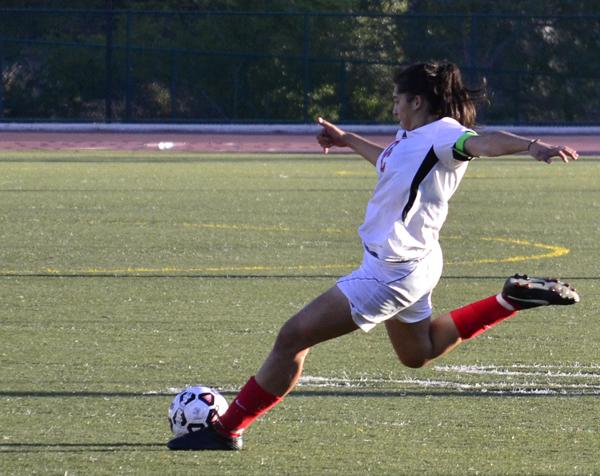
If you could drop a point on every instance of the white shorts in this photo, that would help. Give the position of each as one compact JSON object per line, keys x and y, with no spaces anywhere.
{"x":379,"y":290}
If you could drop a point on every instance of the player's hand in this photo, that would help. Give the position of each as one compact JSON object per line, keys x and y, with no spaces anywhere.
{"x":546,"y":152}
{"x":330,"y":135}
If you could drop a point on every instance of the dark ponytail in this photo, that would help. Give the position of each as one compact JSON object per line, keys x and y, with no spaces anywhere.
{"x":442,"y":86}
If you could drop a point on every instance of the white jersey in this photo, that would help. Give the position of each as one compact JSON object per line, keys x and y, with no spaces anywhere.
{"x":417,"y":175}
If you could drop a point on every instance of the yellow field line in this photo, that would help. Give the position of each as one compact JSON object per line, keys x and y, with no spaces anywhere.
{"x":244,"y":227}
{"x":552,"y":251}
{"x":166,"y":270}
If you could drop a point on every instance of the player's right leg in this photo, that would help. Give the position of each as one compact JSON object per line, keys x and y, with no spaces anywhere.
{"x":325,"y":318}
{"x":418,"y":343}
{"x":519,"y":292}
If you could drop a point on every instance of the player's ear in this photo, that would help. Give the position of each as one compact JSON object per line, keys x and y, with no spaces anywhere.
{"x":417,"y":102}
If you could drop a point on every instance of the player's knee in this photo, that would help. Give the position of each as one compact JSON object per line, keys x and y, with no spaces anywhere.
{"x":415,"y":360}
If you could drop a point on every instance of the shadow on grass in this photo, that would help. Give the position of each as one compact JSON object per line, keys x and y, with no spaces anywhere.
{"x":344,"y":393}
{"x":78,"y":447}
{"x":96,"y":275}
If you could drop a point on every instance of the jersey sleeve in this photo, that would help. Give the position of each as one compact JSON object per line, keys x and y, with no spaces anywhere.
{"x":450,"y":147}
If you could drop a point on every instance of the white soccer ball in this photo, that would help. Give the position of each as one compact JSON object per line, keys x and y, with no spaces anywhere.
{"x":195,"y":408}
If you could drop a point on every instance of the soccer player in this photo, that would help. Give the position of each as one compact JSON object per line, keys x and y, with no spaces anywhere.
{"x":417,"y":174}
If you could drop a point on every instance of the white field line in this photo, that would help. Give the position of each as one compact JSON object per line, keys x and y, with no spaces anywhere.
{"x":525,"y":371}
{"x":540,"y":380}
{"x":573,"y":365}
{"x":333,"y":382}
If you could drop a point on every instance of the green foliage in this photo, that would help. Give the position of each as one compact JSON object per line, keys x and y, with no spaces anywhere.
{"x":263,"y":61}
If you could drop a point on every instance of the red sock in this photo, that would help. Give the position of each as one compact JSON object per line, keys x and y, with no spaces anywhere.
{"x":251,"y":402}
{"x":477,"y":317}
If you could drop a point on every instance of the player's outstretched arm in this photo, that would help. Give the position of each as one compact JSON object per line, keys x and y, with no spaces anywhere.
{"x":494,"y":144}
{"x":332,"y":135}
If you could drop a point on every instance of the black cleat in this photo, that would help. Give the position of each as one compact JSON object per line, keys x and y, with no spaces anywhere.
{"x":525,"y":292}
{"x":205,"y":439}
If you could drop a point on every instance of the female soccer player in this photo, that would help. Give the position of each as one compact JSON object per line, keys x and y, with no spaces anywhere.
{"x":417,"y":175}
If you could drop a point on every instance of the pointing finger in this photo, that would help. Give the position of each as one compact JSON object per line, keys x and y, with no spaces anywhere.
{"x":324,"y":123}
{"x":573,"y":153}
{"x":563,"y":156}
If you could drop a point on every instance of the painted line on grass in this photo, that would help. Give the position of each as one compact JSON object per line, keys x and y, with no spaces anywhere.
{"x":272,"y":228}
{"x":536,"y":380}
{"x":551,"y":372}
{"x":550,"y":251}
{"x":171,"y":271}
{"x":434,"y":384}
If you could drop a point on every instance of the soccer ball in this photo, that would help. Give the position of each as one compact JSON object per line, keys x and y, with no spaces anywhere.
{"x":195,"y":408}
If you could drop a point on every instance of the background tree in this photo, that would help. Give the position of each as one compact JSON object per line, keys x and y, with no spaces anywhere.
{"x":231,"y":60}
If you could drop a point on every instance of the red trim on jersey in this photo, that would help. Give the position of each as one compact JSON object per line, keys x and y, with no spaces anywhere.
{"x":386,"y":153}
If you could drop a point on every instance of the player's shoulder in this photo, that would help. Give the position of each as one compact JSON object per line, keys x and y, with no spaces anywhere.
{"x":449,"y":132}
{"x":451,"y":126}
{"x":449,"y":142}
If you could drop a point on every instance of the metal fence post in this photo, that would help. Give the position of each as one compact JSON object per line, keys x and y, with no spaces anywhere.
{"x":306,"y":64}
{"x":343,"y":91}
{"x":472,"y":51}
{"x":1,"y":81}
{"x":173,"y":84}
{"x":517,"y":109}
{"x":128,"y":68}
{"x":108,"y":62}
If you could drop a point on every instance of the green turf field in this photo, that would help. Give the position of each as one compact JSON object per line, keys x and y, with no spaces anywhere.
{"x":125,"y":277}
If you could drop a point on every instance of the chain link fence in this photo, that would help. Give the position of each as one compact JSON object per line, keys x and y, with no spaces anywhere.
{"x":227,"y":67}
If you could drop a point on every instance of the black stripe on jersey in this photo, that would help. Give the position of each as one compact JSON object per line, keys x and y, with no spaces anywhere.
{"x":425,"y":167}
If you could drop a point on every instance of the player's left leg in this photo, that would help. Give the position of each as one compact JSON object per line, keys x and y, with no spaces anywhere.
{"x":327,"y":317}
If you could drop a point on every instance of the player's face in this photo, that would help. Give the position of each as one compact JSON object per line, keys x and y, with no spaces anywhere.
{"x":403,"y":109}
{"x":411,"y":110}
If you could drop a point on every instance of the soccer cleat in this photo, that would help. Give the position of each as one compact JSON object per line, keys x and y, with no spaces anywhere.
{"x":525,"y":292}
{"x":206,"y":439}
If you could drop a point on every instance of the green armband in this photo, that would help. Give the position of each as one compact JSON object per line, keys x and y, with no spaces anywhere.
{"x":458,"y":151}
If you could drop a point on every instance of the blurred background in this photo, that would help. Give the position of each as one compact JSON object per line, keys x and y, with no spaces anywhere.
{"x":234,"y":61}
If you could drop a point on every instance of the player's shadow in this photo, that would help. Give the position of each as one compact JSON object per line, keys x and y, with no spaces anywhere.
{"x":332,"y":392}
{"x":79,"y":447}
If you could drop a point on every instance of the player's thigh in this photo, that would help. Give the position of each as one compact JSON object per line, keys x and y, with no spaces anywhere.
{"x":411,"y":342}
{"x":327,"y":317}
